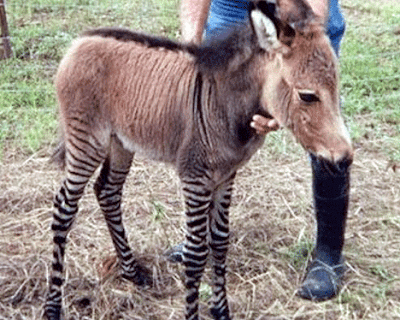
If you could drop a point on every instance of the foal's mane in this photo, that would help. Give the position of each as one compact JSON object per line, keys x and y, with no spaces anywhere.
{"x":212,"y":55}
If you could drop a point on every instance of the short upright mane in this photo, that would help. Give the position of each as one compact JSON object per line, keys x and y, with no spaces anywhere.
{"x":219,"y":51}
{"x":126,"y":35}
{"x":214,"y":54}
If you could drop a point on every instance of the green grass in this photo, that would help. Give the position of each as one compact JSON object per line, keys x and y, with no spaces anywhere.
{"x":370,"y":75}
{"x":41,"y":30}
{"x":299,"y":253}
{"x":27,"y":106}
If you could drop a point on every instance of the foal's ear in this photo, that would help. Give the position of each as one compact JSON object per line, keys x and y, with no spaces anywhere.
{"x":271,"y":30}
{"x":287,"y":16}
{"x":265,"y":29}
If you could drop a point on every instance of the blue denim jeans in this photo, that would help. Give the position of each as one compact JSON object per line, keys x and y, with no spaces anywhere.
{"x":225,"y":13}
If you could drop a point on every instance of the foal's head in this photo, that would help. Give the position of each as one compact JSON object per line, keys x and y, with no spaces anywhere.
{"x":301,"y":76}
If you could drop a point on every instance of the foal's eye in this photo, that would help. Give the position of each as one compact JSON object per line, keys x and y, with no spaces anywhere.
{"x":308,"y":96}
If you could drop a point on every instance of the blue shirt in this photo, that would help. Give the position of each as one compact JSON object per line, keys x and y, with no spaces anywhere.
{"x":226,"y":13}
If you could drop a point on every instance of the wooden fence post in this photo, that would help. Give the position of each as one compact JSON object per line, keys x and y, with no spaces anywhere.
{"x":5,"y":37}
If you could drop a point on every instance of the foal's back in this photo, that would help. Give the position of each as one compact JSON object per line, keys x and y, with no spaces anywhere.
{"x":142,"y":95}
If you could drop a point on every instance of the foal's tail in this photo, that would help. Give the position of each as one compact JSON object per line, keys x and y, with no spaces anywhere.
{"x":58,"y":156}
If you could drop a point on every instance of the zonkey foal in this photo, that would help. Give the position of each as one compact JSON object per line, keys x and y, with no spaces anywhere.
{"x":122,"y":93}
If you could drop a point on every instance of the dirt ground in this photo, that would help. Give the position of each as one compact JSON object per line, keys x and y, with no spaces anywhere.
{"x":272,"y":233}
{"x":272,"y":226}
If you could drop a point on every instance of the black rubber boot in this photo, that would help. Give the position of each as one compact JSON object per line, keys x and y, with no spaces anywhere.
{"x":331,"y":190}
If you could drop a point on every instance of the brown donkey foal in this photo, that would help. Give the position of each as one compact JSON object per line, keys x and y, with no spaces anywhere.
{"x":122,"y":93}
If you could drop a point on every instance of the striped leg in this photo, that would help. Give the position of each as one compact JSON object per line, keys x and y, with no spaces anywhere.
{"x":197,"y":199}
{"x":82,"y":159}
{"x":108,"y":189}
{"x":219,"y":242}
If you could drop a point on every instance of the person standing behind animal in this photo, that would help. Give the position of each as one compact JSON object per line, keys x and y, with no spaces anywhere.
{"x":331,"y":184}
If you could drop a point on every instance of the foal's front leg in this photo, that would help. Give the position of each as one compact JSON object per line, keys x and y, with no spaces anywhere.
{"x":219,"y":242}
{"x":197,"y":199}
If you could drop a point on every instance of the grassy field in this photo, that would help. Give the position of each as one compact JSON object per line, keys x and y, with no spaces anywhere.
{"x":272,"y":215}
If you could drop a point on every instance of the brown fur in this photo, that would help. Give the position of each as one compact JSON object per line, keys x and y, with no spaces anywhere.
{"x":156,"y":95}
{"x":122,"y":93}
{"x":160,"y":116}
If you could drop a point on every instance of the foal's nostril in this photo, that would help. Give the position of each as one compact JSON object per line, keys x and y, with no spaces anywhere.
{"x":334,"y":163}
{"x":345,"y":162}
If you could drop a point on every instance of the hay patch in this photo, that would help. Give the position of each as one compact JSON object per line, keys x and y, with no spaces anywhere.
{"x":272,"y":225}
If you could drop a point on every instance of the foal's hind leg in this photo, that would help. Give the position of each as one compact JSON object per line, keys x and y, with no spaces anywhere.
{"x":108,"y":190}
{"x":83,"y":156}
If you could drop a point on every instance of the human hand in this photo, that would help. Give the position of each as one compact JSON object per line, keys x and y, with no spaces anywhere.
{"x":264,"y":125}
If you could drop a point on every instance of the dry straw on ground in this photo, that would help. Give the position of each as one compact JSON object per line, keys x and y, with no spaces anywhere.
{"x":272,"y":229}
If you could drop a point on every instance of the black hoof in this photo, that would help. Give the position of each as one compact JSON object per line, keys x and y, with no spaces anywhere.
{"x":219,"y":314}
{"x":175,"y":254}
{"x":322,"y":281}
{"x":52,"y":314}
{"x":142,"y":277}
